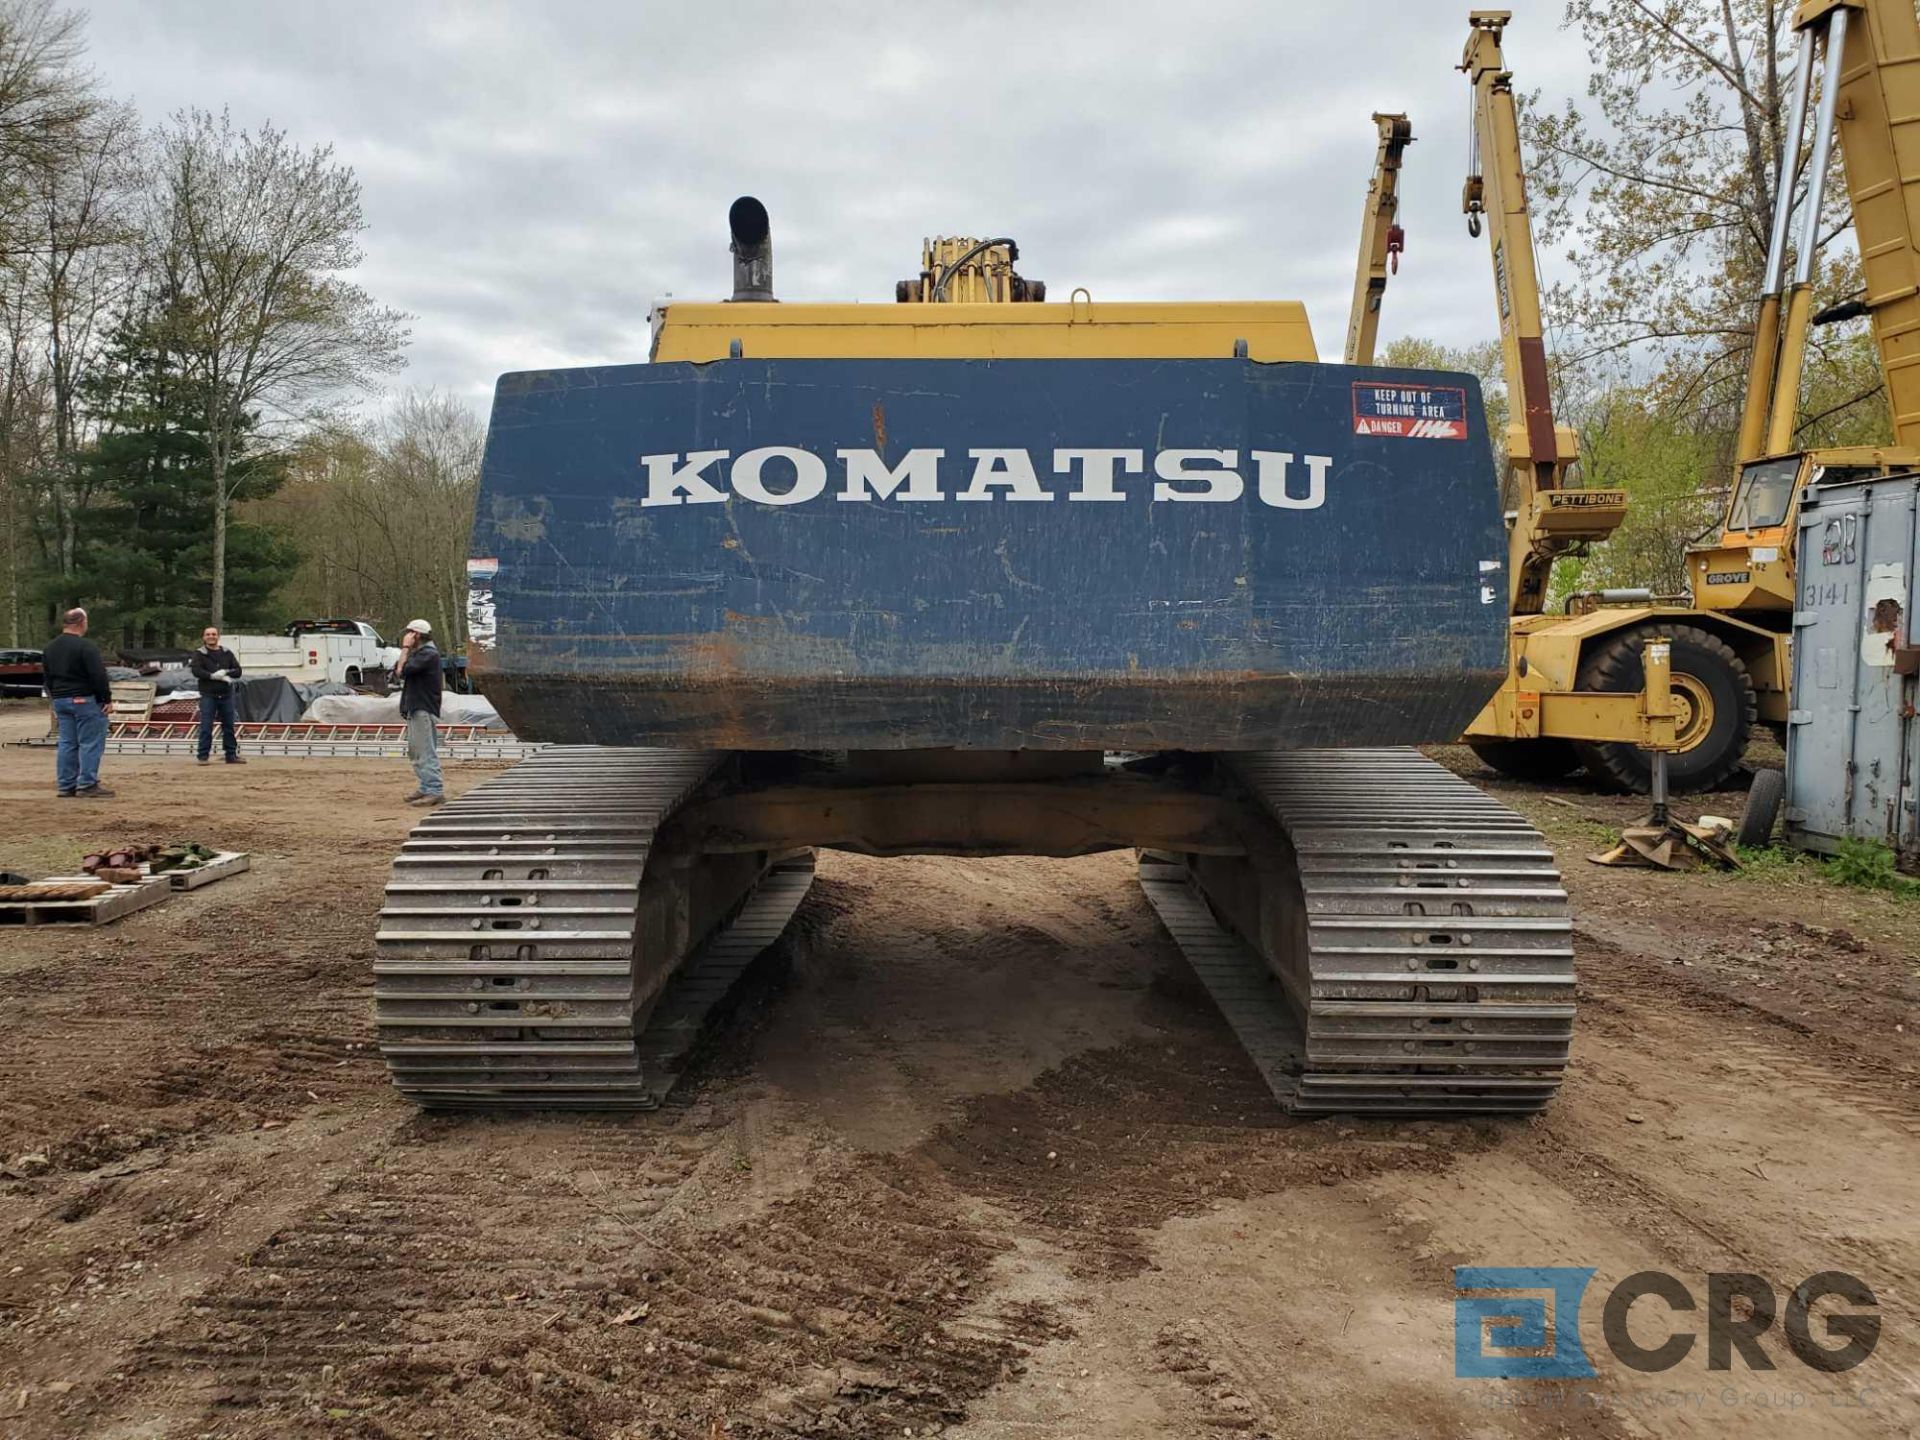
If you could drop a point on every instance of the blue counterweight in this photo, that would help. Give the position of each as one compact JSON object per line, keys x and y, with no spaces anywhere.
{"x":1200,"y":555}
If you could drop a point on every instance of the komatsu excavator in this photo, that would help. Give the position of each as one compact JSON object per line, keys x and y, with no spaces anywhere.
{"x":1730,"y":664}
{"x":978,"y":574}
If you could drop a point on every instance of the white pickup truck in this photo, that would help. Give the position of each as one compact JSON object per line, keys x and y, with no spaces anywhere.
{"x":348,"y":651}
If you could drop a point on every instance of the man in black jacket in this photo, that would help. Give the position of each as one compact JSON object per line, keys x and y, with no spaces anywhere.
{"x":82,"y":699}
{"x":419,"y":674}
{"x":215,"y":668}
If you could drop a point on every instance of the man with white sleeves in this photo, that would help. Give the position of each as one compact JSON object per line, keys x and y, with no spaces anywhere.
{"x":215,"y":668}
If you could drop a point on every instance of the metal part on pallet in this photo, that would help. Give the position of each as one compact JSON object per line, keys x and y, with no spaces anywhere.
{"x":518,"y":957}
{"x":1438,"y":964}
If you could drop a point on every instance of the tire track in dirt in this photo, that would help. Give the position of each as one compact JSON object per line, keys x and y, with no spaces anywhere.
{"x":469,"y":1281}
{"x":529,"y":1278}
{"x":1747,"y":1039}
{"x":1850,"y":1036}
{"x":414,"y":1276}
{"x":107,"y":1259}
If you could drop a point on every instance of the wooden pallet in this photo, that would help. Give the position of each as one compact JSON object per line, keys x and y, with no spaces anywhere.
{"x":102,"y":909}
{"x":132,"y":699}
{"x":227,"y":862}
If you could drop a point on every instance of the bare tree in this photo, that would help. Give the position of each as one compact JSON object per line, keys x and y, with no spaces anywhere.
{"x":44,"y":97}
{"x":430,"y":447}
{"x":79,"y":263}
{"x":384,"y":511}
{"x":24,"y":408}
{"x":255,"y":238}
{"x":1661,"y":185}
{"x":57,"y":142}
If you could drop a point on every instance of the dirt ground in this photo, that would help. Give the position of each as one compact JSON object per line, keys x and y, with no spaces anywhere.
{"x":977,"y":1158}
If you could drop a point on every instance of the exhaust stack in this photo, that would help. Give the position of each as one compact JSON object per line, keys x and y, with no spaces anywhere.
{"x":752,"y":249}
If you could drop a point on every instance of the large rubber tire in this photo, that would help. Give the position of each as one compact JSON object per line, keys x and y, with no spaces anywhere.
{"x":1763,"y":808}
{"x":1715,"y":690}
{"x":1533,"y":760}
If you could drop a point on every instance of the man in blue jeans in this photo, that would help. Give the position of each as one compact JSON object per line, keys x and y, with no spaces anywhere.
{"x":215,"y":668}
{"x":420,"y":688}
{"x":82,"y":700}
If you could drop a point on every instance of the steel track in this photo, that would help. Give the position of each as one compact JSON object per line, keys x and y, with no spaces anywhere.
{"x":507,"y":971}
{"x":1438,"y":974}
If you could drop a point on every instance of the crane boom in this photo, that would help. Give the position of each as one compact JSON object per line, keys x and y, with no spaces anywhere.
{"x":1878,"y":112}
{"x":1381,"y":238}
{"x":1870,"y":97}
{"x":1761,"y":367}
{"x":1867,"y":53}
{"x":1547,"y":519}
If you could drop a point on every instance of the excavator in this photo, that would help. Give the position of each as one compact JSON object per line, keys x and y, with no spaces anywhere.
{"x":1730,"y":659}
{"x":982,"y":574}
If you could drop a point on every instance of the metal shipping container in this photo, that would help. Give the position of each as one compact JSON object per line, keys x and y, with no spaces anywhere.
{"x":1853,"y":745}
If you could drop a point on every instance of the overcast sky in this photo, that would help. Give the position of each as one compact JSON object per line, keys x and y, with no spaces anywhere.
{"x":535,"y":174}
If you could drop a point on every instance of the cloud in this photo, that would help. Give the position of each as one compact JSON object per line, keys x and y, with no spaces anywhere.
{"x":535,"y":176}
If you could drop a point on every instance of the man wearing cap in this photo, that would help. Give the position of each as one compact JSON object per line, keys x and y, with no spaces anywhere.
{"x":419,"y":676}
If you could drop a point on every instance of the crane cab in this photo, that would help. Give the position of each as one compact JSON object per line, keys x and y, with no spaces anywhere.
{"x":1748,"y":572}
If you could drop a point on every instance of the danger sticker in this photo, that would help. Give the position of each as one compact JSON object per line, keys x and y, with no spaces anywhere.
{"x":1409,"y":412}
{"x":485,"y":568}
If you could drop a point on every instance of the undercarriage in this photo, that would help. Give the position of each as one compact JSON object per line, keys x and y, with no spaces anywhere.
{"x":1381,"y":935}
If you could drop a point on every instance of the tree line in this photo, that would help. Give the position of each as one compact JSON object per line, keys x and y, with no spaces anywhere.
{"x":181,"y":344}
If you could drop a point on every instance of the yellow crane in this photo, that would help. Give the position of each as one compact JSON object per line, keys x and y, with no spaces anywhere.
{"x":1869,"y":55}
{"x":1381,"y":238}
{"x":1549,"y":703}
{"x":1730,"y":663}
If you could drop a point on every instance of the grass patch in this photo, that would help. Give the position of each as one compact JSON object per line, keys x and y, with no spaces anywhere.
{"x":1777,"y":862}
{"x":1868,"y":865}
{"x":1569,"y":823}
{"x":1860,"y":865}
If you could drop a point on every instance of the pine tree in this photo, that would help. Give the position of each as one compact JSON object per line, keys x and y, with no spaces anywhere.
{"x":147,"y":558}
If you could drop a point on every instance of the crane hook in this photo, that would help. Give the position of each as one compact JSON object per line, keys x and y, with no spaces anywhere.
{"x":1473,"y":200}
